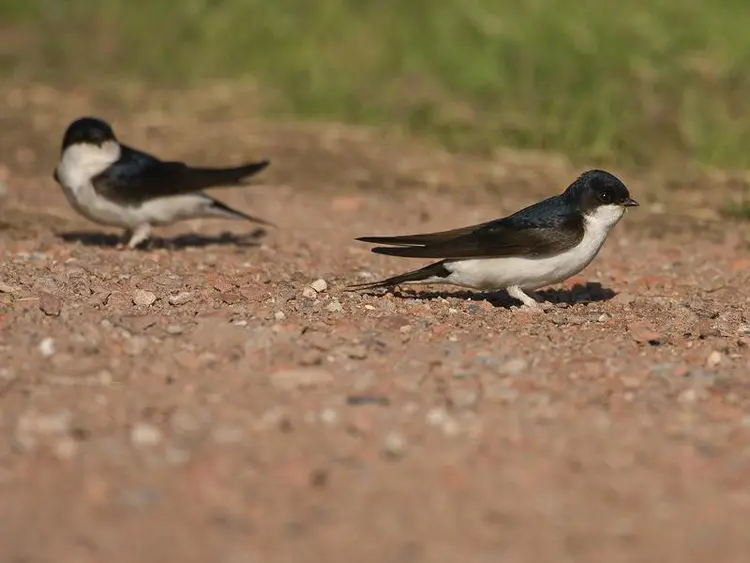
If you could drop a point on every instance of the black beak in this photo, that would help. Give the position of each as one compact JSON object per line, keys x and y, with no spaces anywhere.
{"x":630,"y":203}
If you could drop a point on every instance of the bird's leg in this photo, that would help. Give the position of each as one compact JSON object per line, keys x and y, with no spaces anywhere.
{"x":138,"y":235}
{"x":122,"y":243}
{"x":529,"y":303}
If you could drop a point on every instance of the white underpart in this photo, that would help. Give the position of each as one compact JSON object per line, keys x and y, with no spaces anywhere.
{"x":80,"y":163}
{"x":528,"y":274}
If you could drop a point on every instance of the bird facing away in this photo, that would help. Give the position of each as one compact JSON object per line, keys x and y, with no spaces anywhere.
{"x":113,"y":184}
{"x":540,"y":245}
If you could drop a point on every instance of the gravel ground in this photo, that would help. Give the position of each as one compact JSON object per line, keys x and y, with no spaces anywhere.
{"x":222,"y":397}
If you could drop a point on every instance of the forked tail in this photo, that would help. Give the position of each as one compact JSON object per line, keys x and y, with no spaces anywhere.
{"x":436,"y":270}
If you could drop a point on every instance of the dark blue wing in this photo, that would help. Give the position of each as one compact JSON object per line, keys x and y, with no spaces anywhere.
{"x":545,"y":228}
{"x":138,"y":176}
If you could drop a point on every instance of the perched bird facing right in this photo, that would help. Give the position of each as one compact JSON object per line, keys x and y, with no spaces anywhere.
{"x":113,"y":184}
{"x":540,"y":245}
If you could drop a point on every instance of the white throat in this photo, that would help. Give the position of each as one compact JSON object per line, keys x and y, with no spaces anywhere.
{"x":81,"y":162}
{"x":602,"y":219}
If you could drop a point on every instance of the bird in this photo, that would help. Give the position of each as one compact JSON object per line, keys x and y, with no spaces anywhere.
{"x":113,"y":184}
{"x":539,"y":245}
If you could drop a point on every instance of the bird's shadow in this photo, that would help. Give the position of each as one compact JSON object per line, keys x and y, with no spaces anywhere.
{"x":591,"y":292}
{"x":190,"y":240}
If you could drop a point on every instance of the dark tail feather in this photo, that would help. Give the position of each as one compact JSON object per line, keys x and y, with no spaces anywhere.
{"x":424,"y":239}
{"x":410,"y":251}
{"x":437,"y":269}
{"x":239,"y":214}
{"x":410,"y":246}
{"x":202,"y":178}
{"x":396,"y":241}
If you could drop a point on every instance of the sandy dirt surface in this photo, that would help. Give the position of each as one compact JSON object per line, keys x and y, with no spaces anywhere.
{"x":211,"y":399}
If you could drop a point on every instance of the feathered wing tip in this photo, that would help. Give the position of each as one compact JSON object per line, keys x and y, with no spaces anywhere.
{"x":251,"y":169}
{"x":436,"y":270}
{"x":202,"y":178}
{"x":420,"y":239}
{"x":236,"y":176}
{"x":442,"y":244}
{"x":231,"y":212}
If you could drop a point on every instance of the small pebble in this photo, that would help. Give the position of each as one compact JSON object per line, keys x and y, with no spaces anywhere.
{"x":47,"y":347}
{"x":335,"y":306}
{"x":45,"y":424}
{"x":184,"y":422}
{"x":410,"y":408}
{"x":279,"y":315}
{"x":329,"y":416}
{"x":9,"y":289}
{"x":357,"y":352}
{"x":319,"y":285}
{"x":66,"y":448}
{"x":175,"y":329}
{"x":688,"y":396}
{"x":436,"y":416}
{"x":451,"y":428}
{"x":714,"y":359}
{"x":181,"y":298}
{"x":465,"y":398}
{"x":135,"y":345}
{"x":145,"y":434}
{"x":104,"y":378}
{"x":228,"y":435}
{"x":310,"y":358}
{"x":300,"y":378}
{"x":642,"y":333}
{"x":309,"y":293}
{"x":143,"y":298}
{"x":49,"y":304}
{"x":513,"y":367}
{"x":631,"y":382}
{"x":623,"y":299}
{"x":140,"y":323}
{"x":394,"y":445}
{"x":274,"y":417}
{"x":99,"y":298}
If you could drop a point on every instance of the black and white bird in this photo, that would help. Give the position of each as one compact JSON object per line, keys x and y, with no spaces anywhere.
{"x":540,"y":245}
{"x":113,"y":184}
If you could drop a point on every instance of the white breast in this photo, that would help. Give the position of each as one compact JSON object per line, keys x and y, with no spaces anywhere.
{"x":78,"y":165}
{"x":529,"y":273}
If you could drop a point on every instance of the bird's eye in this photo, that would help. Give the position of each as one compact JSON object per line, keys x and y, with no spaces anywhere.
{"x":605,"y":197}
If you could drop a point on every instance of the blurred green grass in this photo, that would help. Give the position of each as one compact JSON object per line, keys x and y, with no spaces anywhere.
{"x":634,"y":83}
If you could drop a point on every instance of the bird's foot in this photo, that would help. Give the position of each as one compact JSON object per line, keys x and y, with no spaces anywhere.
{"x":122,"y":243}
{"x":138,"y":236}
{"x":529,"y":304}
